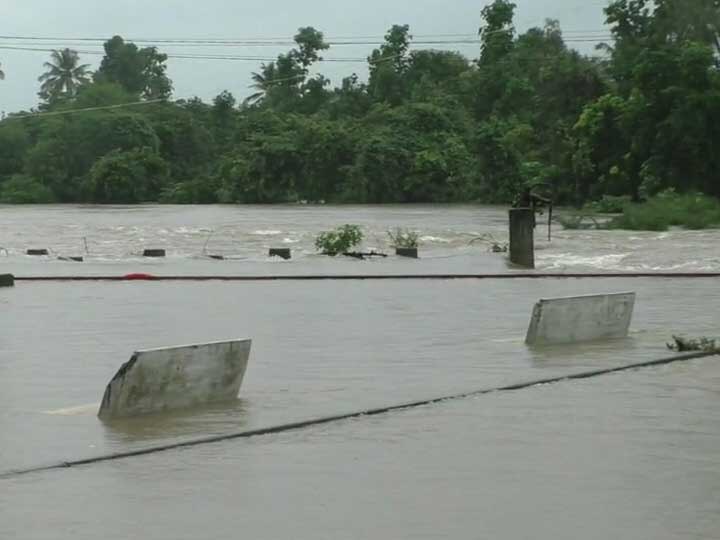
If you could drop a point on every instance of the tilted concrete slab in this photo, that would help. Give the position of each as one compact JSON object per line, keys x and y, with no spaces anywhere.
{"x":582,"y":318}
{"x":176,"y":378}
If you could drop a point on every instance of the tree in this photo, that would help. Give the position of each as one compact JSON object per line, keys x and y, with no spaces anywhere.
{"x":262,"y":82}
{"x":350,"y":100}
{"x":127,"y":177}
{"x":22,"y":189}
{"x":498,"y":32}
{"x":64,"y":76}
{"x":14,"y":144}
{"x":427,"y":126}
{"x":69,"y":145}
{"x":310,"y":43}
{"x":388,"y":66}
{"x":141,"y":72}
{"x":284,"y":85}
{"x":223,"y":117}
{"x":223,"y":106}
{"x":101,"y":94}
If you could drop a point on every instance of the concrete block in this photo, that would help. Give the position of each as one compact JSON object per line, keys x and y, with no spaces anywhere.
{"x":522,"y":237}
{"x":158,"y":253}
{"x":7,"y":280}
{"x":176,"y":378}
{"x":583,"y":318}
{"x":410,"y":253}
{"x":283,"y":253}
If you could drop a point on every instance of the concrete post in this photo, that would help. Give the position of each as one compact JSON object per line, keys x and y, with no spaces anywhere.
{"x":522,"y":237}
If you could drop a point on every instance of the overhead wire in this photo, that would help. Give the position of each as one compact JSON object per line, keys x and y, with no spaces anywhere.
{"x":86,"y":109}
{"x":347,"y":40}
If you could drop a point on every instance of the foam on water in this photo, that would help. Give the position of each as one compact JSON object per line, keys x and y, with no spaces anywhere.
{"x":564,"y":260}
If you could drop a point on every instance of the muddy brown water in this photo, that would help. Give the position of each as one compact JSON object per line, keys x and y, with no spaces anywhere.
{"x":630,"y":455}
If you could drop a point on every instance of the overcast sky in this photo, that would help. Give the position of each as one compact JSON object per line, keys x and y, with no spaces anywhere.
{"x":233,"y":19}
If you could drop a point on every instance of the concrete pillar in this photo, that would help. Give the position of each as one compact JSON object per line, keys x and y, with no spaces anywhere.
{"x":522,"y":233}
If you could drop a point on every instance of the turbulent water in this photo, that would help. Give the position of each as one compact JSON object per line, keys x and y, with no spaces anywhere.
{"x":632,"y":455}
{"x":455,"y":239}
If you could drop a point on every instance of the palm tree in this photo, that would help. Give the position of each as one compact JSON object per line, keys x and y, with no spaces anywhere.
{"x":64,"y":75}
{"x":262,"y":82}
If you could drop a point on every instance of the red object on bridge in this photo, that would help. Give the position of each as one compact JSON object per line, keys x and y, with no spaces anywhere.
{"x":139,"y":277}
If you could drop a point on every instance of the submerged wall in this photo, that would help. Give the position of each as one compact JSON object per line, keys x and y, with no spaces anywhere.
{"x":582,"y":318}
{"x":176,"y":378}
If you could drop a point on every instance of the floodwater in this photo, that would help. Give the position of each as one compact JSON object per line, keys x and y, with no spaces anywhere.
{"x":631,"y":455}
{"x":453,"y":239}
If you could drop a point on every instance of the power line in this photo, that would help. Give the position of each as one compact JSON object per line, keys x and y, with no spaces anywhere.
{"x":474,"y":41}
{"x":215,"y":56}
{"x":347,"y":40}
{"x":88,"y":109}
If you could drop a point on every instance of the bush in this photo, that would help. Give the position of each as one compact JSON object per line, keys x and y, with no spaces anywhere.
{"x":128,"y":177}
{"x":667,"y":209}
{"x":341,"y":240}
{"x":609,"y":204}
{"x":202,"y":190}
{"x":23,"y":189}
{"x":403,"y":238}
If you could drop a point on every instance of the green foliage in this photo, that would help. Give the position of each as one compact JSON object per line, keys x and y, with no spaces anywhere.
{"x":199,"y":191}
{"x":428,"y":126}
{"x":283,"y":84}
{"x":498,"y":31}
{"x":99,"y":94}
{"x":141,"y":72}
{"x":691,"y":210}
{"x":14,"y":144}
{"x":63,"y":77}
{"x":21,"y":189}
{"x":69,"y":146}
{"x":388,"y":66}
{"x":127,"y":177}
{"x":339,"y":241}
{"x":703,"y":344}
{"x":404,"y":238}
{"x":609,"y":204}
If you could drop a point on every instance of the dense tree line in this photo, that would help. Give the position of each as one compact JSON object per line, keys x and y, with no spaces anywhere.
{"x":427,"y":126}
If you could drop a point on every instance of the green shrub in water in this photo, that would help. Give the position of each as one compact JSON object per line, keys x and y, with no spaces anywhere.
{"x":669,"y":209}
{"x":404,"y":238}
{"x":341,"y":240}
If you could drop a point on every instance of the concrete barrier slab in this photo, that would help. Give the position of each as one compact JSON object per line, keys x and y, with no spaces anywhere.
{"x":578,"y":319}
{"x":176,"y":378}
